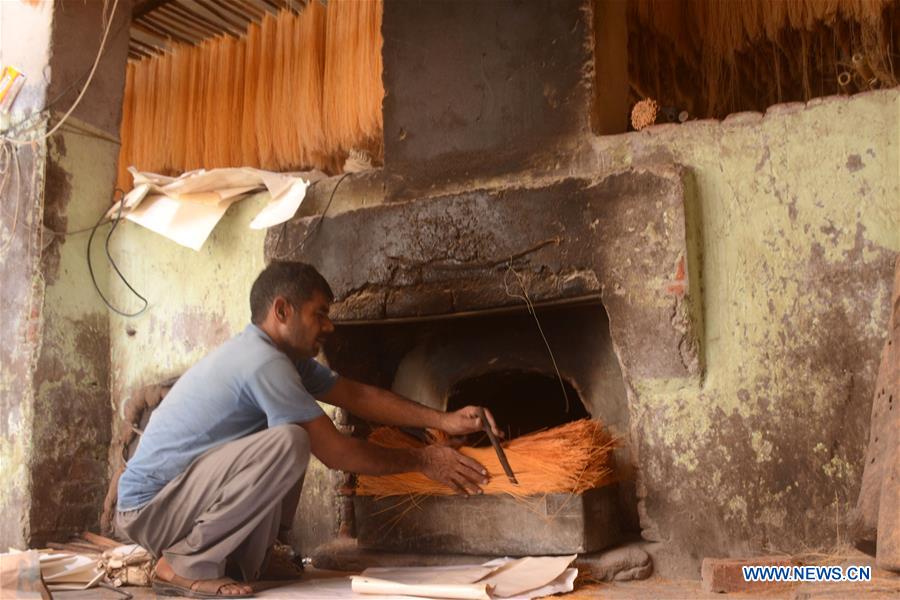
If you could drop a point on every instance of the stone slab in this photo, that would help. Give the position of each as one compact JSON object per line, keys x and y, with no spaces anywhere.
{"x":622,"y":236}
{"x":490,"y":525}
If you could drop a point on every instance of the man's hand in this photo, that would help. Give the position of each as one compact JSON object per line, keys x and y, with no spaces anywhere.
{"x":459,"y":472}
{"x":467,"y":420}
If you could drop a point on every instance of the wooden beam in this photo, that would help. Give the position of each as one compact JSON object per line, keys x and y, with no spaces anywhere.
{"x":142,"y":7}
{"x":256,"y":13}
{"x":161,"y":30}
{"x":176,"y":12}
{"x":148,"y":39}
{"x":172,"y":26}
{"x":145,"y":48}
{"x":216,"y":13}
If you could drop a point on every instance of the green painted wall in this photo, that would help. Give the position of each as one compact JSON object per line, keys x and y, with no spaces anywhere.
{"x":72,"y":411}
{"x":799,"y":213}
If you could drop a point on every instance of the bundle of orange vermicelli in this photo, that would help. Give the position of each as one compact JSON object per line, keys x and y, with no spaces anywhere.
{"x":572,"y":458}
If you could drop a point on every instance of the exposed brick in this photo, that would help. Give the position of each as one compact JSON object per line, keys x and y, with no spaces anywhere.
{"x":726,"y":575}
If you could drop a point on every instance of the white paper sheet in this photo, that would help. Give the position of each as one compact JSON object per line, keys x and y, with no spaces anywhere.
{"x":186,"y":223}
{"x":519,"y":579}
{"x":339,"y":589}
{"x":525,"y":574}
{"x":169,"y":205}
{"x":76,"y":569}
{"x":370,"y":586}
{"x":451,"y":574}
{"x":281,"y":208}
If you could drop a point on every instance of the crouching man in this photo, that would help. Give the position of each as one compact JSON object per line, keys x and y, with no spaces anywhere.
{"x":219,"y":467}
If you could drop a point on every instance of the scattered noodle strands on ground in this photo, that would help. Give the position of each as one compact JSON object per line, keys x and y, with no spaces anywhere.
{"x":571,"y":458}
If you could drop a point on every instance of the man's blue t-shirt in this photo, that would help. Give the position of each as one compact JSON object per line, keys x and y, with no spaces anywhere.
{"x":244,"y":386}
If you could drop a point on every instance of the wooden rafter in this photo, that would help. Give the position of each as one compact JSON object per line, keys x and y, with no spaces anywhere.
{"x":157,"y":24}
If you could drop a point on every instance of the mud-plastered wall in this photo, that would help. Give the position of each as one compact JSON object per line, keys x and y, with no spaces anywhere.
{"x":799,"y":219}
{"x":55,"y":359}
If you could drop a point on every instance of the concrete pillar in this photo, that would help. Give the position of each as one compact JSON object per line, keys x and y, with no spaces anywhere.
{"x":54,"y":378}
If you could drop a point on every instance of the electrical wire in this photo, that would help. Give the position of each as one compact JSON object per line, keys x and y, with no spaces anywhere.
{"x":310,"y":231}
{"x":528,"y":303}
{"x":112,"y":262}
{"x":10,"y":150}
{"x":18,"y":128}
{"x":65,"y":117}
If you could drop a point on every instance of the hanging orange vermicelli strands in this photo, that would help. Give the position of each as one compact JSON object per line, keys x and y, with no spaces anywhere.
{"x":280,"y":114}
{"x":265,"y":79}
{"x":142,"y":143}
{"x":198,"y":159}
{"x":193,"y":154}
{"x":181,"y":76}
{"x":163,"y":111}
{"x":210,"y":50}
{"x":217,"y":105}
{"x":235,"y":92}
{"x":126,"y":135}
{"x":291,"y":80}
{"x":309,"y":72}
{"x":208,"y":102}
{"x":371,"y":87}
{"x":341,"y":40}
{"x":148,"y":145}
{"x":225,"y":101}
{"x":252,"y":50}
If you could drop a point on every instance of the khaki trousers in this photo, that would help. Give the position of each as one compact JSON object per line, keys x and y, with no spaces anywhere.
{"x":226,"y":505}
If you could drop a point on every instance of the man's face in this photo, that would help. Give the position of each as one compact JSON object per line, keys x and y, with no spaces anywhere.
{"x":307,"y":326}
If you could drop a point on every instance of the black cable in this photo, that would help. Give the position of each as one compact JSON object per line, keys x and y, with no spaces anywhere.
{"x":115,"y":223}
{"x":75,"y":231}
{"x":312,"y":230}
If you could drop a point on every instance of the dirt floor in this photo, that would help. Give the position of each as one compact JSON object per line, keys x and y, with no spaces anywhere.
{"x":883,"y":585}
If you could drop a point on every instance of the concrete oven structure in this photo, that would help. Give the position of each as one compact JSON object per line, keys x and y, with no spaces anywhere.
{"x":717,"y":292}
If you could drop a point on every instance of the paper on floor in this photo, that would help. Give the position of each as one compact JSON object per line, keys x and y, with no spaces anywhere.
{"x":528,"y":573}
{"x":76,"y":568}
{"x":506,"y":575}
{"x":450,"y":574}
{"x":370,"y":586}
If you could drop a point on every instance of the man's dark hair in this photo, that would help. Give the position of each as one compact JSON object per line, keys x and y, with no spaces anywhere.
{"x":296,"y":281}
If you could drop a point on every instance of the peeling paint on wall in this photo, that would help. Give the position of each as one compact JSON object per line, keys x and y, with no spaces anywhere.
{"x":71,"y":431}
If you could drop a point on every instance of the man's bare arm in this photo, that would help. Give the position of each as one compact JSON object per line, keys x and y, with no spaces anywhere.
{"x":346,"y":453}
{"x":386,"y":407}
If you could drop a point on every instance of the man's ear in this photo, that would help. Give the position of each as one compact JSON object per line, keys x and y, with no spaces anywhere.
{"x":280,"y":307}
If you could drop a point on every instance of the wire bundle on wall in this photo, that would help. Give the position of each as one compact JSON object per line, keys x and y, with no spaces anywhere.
{"x":298,"y":90}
